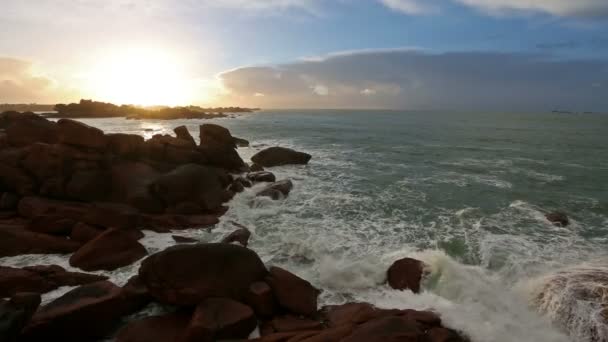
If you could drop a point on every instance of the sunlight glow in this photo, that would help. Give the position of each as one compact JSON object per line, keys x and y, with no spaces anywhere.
{"x":141,"y":77}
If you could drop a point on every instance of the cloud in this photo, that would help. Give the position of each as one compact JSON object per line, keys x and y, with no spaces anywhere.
{"x":563,"y":8}
{"x":20,"y":84}
{"x":422,"y":80}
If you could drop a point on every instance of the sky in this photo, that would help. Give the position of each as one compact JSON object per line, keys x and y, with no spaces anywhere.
{"x":522,"y":55}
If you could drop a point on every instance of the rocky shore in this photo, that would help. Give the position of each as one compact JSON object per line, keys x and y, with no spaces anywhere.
{"x":68,"y":188}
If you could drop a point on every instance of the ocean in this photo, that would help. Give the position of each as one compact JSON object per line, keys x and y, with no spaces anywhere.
{"x":464,"y":192}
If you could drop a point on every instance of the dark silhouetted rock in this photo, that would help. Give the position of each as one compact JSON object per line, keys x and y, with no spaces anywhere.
{"x":353,"y":313}
{"x":32,"y":207}
{"x":29,"y":129}
{"x":261,"y":299}
{"x":17,"y":240}
{"x":8,"y":201}
{"x":89,"y":186}
{"x":217,"y":319}
{"x":182,"y":133}
{"x":221,"y":156}
{"x":241,"y":142}
{"x":261,"y":176}
{"x":165,"y":328}
{"x":192,"y":183}
{"x":130,"y":183}
{"x":86,"y":313}
{"x":406,"y":274}
{"x":211,"y":134}
{"x":256,"y":167}
{"x":76,"y":133}
{"x":166,"y":223}
{"x":292,"y":292}
{"x":183,"y":239}
{"x":277,"y":190}
{"x":15,"y":314}
{"x":241,"y":236}
{"x":236,"y":187}
{"x":16,"y":179}
{"x":40,"y":279}
{"x":185,"y":208}
{"x":51,"y":224}
{"x":112,"y":249}
{"x":387,"y":329}
{"x":126,"y":145}
{"x":187,"y":274}
{"x":293,"y":323}
{"x":277,"y":156}
{"x":559,"y":219}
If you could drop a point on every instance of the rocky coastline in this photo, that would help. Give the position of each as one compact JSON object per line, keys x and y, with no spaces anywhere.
{"x":68,"y":188}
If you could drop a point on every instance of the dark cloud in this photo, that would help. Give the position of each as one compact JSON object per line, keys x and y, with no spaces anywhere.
{"x":419,"y":80}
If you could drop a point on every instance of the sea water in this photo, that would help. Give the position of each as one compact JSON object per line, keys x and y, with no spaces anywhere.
{"x":464,"y":192}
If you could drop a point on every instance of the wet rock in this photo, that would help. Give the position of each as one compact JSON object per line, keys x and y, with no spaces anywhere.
{"x":15,"y":314}
{"x":353,"y":313}
{"x":241,"y":142}
{"x":241,"y":236}
{"x":211,"y":134}
{"x":112,"y":215}
{"x":261,"y":176}
{"x":406,"y":274}
{"x":387,"y":329}
{"x":126,"y":145}
{"x":17,"y":241}
{"x":261,"y":299}
{"x":277,"y":156}
{"x":293,"y":323}
{"x":51,"y":224}
{"x":559,"y":219}
{"x":182,"y":133}
{"x":76,"y":133}
{"x":164,"y":328}
{"x":32,"y":207}
{"x":40,"y":279}
{"x":184,"y":275}
{"x":136,"y":293}
{"x":112,"y":249}
{"x":86,"y":313}
{"x":236,"y":187}
{"x":256,"y":167}
{"x":191,"y":183}
{"x":292,"y":292}
{"x":277,"y":190}
{"x":185,"y":208}
{"x":218,"y":319}
{"x":443,"y":335}
{"x":166,"y":223}
{"x":183,"y":239}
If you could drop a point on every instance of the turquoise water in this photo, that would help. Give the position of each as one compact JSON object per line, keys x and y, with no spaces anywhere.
{"x":465,"y":192}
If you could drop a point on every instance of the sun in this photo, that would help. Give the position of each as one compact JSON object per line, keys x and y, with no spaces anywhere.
{"x":144,"y":77}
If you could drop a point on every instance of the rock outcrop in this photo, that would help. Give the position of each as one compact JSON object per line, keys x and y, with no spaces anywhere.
{"x":406,"y":274}
{"x":277,"y":156}
{"x":277,"y":190}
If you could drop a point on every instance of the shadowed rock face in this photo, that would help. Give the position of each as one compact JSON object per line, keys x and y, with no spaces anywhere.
{"x":217,"y":319}
{"x":163,"y":328}
{"x":188,"y":274}
{"x":406,"y":274}
{"x":292,"y":292}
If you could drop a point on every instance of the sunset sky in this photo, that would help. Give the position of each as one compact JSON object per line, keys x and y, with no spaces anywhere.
{"x":400,"y":54}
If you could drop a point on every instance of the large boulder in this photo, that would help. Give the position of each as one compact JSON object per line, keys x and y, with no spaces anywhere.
{"x":240,"y":236}
{"x":222,"y":156}
{"x":277,"y":190}
{"x":84,"y":233}
{"x":130,"y":185}
{"x":202,"y":185}
{"x":261,"y":176}
{"x":292,"y":292}
{"x":406,"y":274}
{"x":276,"y":156}
{"x":110,"y":250}
{"x":40,"y":279}
{"x":51,"y":224}
{"x":28,"y":128}
{"x":392,"y":328}
{"x":211,"y":134}
{"x":32,"y":207}
{"x":188,"y":274}
{"x":17,"y":180}
{"x":15,"y":240}
{"x":76,"y":133}
{"x":164,"y":328}
{"x":126,"y":145}
{"x":166,"y":223}
{"x":86,"y":313}
{"x":8,"y":201}
{"x":16,"y":313}
{"x":90,"y":185}
{"x":261,"y":299}
{"x":182,"y":133}
{"x":217,"y":319}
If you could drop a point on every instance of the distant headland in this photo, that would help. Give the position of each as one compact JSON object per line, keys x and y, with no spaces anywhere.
{"x":95,"y":109}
